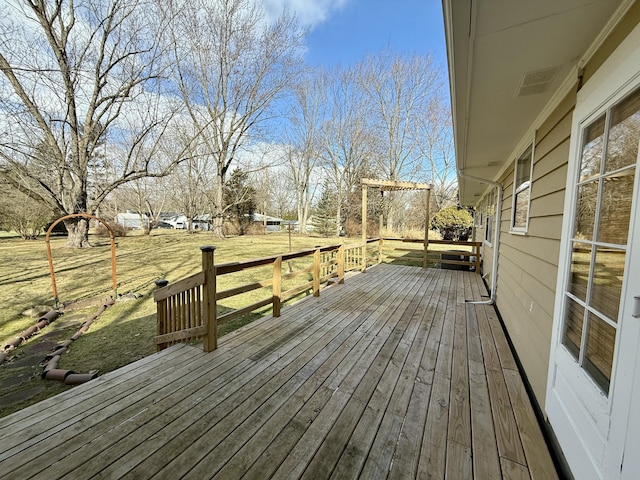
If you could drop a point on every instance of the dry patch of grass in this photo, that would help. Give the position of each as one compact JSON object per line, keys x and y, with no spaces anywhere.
{"x":125,"y":331}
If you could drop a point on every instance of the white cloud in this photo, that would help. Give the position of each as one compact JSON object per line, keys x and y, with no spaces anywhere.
{"x":309,"y":12}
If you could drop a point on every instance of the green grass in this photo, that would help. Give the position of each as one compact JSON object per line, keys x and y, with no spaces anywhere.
{"x":124,"y":333}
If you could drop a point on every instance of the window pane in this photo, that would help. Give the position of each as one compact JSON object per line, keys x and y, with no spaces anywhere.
{"x":580,"y":261}
{"x":615,"y":207}
{"x":592,"y":149}
{"x":521,"y":208}
{"x":606,"y":287}
{"x":523,"y":168}
{"x":586,"y":210}
{"x":572,"y":334}
{"x":622,"y":146}
{"x":598,"y":359}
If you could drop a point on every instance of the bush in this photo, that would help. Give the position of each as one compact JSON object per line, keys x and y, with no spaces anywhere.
{"x":453,"y":223}
{"x":118,"y":230}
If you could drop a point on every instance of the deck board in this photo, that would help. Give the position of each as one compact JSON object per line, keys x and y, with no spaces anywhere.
{"x":391,"y":375}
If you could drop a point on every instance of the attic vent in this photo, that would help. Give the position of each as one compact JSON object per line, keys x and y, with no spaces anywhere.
{"x":537,"y":81}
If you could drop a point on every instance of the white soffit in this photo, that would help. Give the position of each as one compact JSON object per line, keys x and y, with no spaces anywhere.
{"x":506,"y":60}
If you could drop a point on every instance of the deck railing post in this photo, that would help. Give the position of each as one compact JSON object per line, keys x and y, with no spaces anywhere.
{"x":316,"y":272}
{"x":341,"y":264}
{"x":210,"y":339}
{"x":380,"y":242}
{"x":277,"y":286}
{"x":476,"y":251}
{"x":161,"y":313}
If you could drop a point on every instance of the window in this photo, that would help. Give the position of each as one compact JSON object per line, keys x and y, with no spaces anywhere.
{"x":490,"y":216}
{"x":600,"y":239}
{"x":522,"y":191}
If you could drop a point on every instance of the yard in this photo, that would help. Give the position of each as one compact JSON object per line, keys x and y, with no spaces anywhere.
{"x":124,"y":332}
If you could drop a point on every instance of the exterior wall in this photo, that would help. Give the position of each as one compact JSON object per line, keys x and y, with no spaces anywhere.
{"x":528,"y":263}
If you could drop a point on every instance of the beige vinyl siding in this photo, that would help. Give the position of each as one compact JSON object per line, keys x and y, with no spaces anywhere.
{"x":528,"y":264}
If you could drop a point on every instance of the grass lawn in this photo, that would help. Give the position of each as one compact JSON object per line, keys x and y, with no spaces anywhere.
{"x":125,"y":331}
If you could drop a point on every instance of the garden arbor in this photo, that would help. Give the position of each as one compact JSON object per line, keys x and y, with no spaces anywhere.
{"x":388,"y":186}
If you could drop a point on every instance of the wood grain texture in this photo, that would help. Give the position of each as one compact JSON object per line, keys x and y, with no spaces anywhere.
{"x":391,"y":375}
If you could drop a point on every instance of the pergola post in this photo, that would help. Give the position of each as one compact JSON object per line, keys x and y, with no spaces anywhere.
{"x":426,"y":232}
{"x":364,"y":212}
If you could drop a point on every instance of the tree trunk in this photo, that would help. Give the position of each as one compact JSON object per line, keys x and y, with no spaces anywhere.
{"x":77,"y":232}
{"x":218,"y":208}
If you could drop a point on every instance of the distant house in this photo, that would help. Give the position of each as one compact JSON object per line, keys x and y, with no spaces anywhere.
{"x":295,"y":225}
{"x":180,"y":221}
{"x":133,"y":220}
{"x":274,"y":224}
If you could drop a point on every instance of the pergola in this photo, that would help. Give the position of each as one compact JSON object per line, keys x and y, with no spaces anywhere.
{"x":388,"y":186}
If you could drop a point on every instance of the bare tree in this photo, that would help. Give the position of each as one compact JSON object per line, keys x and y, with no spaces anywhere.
{"x":346,"y":140}
{"x":231,"y":68}
{"x":399,"y":90}
{"x":80,"y":77}
{"x":435,"y":143}
{"x":306,"y":116}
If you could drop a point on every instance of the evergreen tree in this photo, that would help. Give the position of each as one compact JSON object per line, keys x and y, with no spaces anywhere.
{"x":326,"y":213}
{"x":239,"y":198}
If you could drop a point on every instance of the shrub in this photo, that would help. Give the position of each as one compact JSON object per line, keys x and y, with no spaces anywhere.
{"x":453,"y":223}
{"x":118,"y":230}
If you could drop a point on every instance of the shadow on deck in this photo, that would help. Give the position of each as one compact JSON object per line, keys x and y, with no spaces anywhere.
{"x":390,"y":375}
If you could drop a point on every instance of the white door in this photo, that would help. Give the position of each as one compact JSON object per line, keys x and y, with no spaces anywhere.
{"x":594,"y":363}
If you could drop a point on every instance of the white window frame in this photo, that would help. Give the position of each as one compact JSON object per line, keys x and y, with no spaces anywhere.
{"x":490,"y":216}
{"x":517,"y":189}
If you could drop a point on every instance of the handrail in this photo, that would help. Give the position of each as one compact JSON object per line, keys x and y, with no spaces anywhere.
{"x":189,"y":308}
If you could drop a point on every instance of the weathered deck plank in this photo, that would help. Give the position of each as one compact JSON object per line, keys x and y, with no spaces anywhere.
{"x":391,"y":375}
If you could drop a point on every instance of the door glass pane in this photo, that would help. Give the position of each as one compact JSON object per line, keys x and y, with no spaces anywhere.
{"x":580,"y":262}
{"x":624,"y":133}
{"x":615,"y":207}
{"x":592,"y":149}
{"x":586,"y":210}
{"x":598,"y":359}
{"x":572,"y":334}
{"x":607,"y":281}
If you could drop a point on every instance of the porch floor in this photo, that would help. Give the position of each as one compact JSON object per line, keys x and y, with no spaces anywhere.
{"x":390,"y":375}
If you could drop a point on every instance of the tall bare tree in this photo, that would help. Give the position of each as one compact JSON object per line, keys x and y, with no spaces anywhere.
{"x":232,"y":67}
{"x":346,"y":140}
{"x":306,"y":116}
{"x":400,"y":89}
{"x":435,"y":143}
{"x":77,"y":75}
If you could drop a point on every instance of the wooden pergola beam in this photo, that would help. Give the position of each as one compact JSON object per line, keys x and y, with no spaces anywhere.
{"x":389,"y":185}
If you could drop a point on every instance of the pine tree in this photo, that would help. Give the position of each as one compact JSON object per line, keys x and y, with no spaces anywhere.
{"x":326,"y":213}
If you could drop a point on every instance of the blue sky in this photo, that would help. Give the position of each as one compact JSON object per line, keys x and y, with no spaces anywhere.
{"x":362,"y":27}
{"x":345,"y":31}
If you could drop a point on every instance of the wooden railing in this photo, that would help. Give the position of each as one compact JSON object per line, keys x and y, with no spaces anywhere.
{"x":466,"y":256}
{"x":188,"y":309}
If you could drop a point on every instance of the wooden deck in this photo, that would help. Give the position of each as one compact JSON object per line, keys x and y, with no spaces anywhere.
{"x":390,"y":375}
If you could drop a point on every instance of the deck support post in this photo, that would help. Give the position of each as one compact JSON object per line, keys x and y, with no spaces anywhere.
{"x":277,"y":286}
{"x":209,"y":303}
{"x":161,"y":313}
{"x":316,"y":272}
{"x":341,"y":264}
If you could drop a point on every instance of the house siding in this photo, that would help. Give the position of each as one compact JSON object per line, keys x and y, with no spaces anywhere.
{"x":528,"y":264}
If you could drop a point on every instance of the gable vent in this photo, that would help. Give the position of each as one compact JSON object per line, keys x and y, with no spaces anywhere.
{"x":537,"y":81}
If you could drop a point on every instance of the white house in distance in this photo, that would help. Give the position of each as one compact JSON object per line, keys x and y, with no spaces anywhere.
{"x":546,"y":110}
{"x":273,"y":224}
{"x":131,"y":219}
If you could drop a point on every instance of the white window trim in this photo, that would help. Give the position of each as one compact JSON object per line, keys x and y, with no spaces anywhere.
{"x":512,"y":228}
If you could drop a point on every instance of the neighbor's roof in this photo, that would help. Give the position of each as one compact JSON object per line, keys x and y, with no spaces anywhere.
{"x":506,"y":60}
